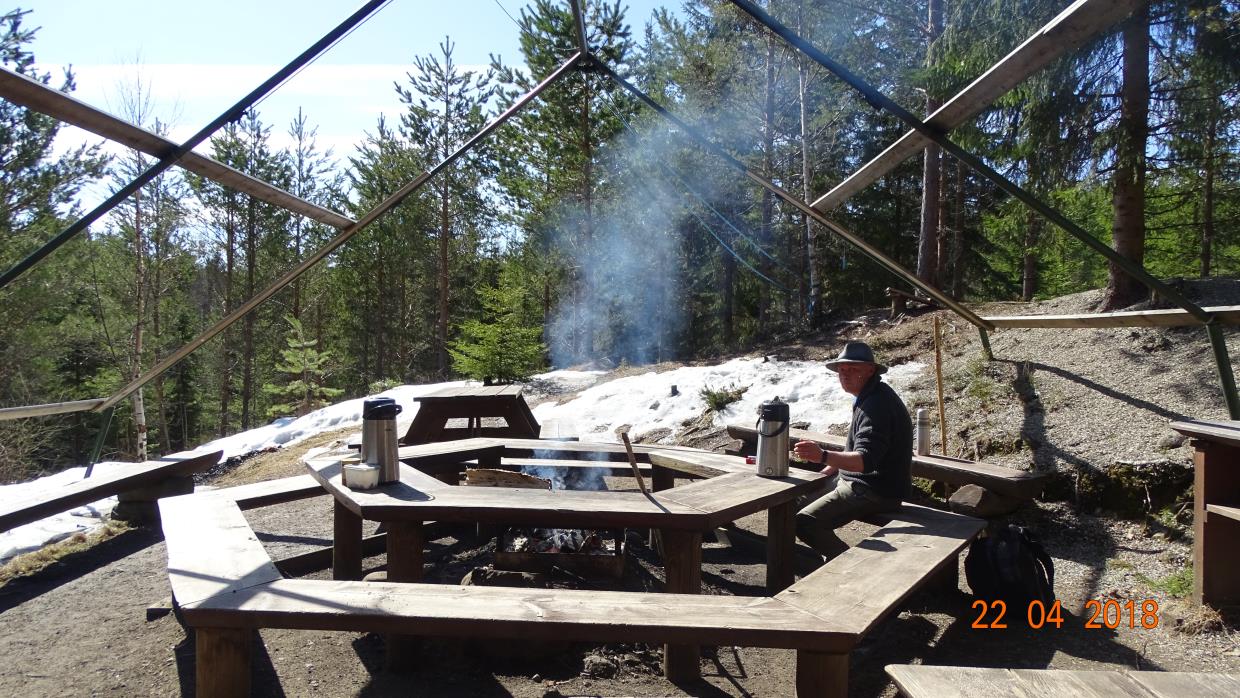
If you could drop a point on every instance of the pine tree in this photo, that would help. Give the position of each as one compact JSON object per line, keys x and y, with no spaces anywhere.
{"x":503,"y":346}
{"x":306,"y":367}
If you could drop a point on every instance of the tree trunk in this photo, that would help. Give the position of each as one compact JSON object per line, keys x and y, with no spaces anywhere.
{"x":728,"y":290}
{"x":587,"y":200}
{"x":445,"y":233}
{"x":1207,"y":195}
{"x":230,"y":260}
{"x":931,"y":210}
{"x":140,"y":282}
{"x":765,"y":234}
{"x":1029,"y":275}
{"x":957,"y":265}
{"x":1128,"y":198}
{"x":247,"y":323}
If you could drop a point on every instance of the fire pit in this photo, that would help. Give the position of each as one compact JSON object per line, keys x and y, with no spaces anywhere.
{"x":587,"y":552}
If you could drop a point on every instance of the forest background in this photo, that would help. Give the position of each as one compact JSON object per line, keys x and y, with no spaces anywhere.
{"x":588,"y":230}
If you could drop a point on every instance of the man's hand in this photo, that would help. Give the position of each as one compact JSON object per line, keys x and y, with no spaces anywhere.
{"x":808,"y":451}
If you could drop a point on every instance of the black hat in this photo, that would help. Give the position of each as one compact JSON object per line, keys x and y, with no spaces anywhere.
{"x":856,"y":353}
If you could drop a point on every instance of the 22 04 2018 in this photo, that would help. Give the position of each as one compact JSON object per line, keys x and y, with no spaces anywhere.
{"x":1099,"y":613}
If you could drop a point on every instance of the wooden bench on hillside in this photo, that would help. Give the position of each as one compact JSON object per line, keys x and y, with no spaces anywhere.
{"x":227,"y":586}
{"x":105,"y":483}
{"x":973,"y":682}
{"x":952,"y":471}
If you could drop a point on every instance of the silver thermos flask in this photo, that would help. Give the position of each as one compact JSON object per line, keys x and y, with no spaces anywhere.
{"x":772,"y":429}
{"x":379,"y":437}
{"x":921,"y":433}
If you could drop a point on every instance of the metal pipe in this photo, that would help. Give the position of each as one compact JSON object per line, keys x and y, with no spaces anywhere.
{"x":383,"y":207}
{"x":50,"y":408}
{"x":99,"y":440}
{"x":871,"y":251}
{"x":232,"y":114}
{"x":580,"y":21}
{"x":990,"y":355}
{"x":881,"y":101}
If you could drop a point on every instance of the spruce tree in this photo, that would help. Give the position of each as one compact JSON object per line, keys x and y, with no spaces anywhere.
{"x":306,"y":369}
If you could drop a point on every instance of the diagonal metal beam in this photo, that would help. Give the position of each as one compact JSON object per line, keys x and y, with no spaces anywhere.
{"x":870,"y":251}
{"x":1078,"y":23}
{"x":371,"y":216}
{"x":231,"y":114}
{"x":32,"y":94}
{"x":880,"y":100}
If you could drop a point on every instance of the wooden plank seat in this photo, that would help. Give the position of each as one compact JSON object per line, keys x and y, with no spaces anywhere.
{"x":105,"y":483}
{"x":976,"y":682}
{"x":953,"y":471}
{"x":226,"y":586}
{"x":867,"y":582}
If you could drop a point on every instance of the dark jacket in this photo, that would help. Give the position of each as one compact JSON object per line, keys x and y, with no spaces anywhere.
{"x":882,"y":431}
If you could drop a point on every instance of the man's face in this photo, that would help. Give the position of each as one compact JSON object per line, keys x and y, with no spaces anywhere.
{"x":853,"y":377}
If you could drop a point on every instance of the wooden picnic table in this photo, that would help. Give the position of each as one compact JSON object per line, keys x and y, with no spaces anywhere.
{"x":473,"y":404}
{"x":681,"y":514}
{"x":972,"y":682}
{"x":1216,"y":509}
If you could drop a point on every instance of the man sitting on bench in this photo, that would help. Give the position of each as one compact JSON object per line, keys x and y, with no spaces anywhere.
{"x":872,"y":473}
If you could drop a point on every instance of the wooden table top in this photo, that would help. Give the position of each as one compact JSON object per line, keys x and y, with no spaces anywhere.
{"x":699,"y":506}
{"x":1220,"y":431}
{"x":488,"y":391}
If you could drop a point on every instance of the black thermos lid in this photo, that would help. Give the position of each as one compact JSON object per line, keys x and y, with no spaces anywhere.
{"x":380,"y":408}
{"x":775,"y":410}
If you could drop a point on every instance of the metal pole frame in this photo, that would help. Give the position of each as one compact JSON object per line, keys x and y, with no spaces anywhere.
{"x":869,"y":250}
{"x":383,"y":207}
{"x":168,"y":160}
{"x":580,"y":20}
{"x":880,"y":101}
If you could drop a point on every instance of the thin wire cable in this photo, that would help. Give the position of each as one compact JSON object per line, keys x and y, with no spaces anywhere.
{"x":312,"y":61}
{"x":505,"y":11}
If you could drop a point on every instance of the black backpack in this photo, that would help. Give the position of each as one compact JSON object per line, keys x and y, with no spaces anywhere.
{"x":1010,"y":564}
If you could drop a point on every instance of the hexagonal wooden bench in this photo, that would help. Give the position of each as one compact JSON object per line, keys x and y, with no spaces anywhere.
{"x":227,"y":586}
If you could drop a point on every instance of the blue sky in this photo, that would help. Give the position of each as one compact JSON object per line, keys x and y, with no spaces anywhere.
{"x":198,"y":58}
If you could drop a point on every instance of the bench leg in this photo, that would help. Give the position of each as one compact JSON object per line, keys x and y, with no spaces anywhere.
{"x":780,"y":546}
{"x":222,"y":662}
{"x":946,"y":579}
{"x":822,"y":675}
{"x":405,"y":546}
{"x":346,"y":544}
{"x":661,"y":479}
{"x":682,"y":562}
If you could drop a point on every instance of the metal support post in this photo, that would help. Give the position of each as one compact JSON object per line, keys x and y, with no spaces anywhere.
{"x":1222,"y":363}
{"x":990,"y":355}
